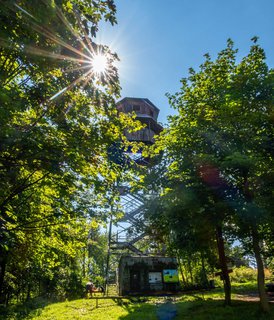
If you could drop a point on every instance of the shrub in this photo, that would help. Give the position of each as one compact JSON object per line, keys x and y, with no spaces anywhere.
{"x":243,"y":275}
{"x":246,"y":274}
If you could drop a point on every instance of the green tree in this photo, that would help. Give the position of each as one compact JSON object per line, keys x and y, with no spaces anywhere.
{"x":222,"y":137}
{"x":188,"y":217}
{"x":58,"y":120}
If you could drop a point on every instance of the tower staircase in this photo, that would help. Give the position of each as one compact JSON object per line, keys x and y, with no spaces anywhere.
{"x":130,"y":228}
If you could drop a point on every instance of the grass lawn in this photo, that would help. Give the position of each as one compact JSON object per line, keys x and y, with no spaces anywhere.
{"x":192,"y":306}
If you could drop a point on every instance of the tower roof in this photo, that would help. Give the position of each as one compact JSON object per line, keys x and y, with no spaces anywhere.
{"x":144,"y":100}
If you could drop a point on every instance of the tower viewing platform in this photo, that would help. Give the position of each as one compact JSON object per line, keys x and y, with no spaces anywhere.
{"x":147,"y":113}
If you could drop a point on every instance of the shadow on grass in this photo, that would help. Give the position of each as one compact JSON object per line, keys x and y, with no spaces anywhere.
{"x":215,"y":310}
{"x":197,"y":310}
{"x":29,"y":309}
{"x":161,"y":309}
{"x":137,"y":311}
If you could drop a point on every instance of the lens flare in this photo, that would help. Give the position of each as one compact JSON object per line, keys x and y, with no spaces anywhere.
{"x":99,"y":64}
{"x":90,"y":62}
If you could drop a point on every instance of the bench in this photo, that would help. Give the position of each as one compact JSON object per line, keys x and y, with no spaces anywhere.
{"x":117,"y":299}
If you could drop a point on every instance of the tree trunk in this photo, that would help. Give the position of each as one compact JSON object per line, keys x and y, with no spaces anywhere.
{"x":181,"y":269}
{"x":257,"y":252}
{"x":84,"y":263}
{"x":204,"y":273}
{"x":260,"y":271}
{"x":223,"y":265}
{"x":190,"y":270}
{"x":28,"y":292}
{"x":3,"y":263}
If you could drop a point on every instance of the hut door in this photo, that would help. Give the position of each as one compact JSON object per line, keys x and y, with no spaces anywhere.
{"x":135,"y":280}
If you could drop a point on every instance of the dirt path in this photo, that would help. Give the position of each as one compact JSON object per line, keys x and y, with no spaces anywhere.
{"x":252,"y":296}
{"x":166,"y":311}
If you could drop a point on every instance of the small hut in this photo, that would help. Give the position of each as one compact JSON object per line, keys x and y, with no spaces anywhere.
{"x":147,"y":275}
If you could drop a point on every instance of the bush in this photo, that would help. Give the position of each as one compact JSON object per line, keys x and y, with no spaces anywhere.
{"x":246,"y":274}
{"x":243,"y":275}
{"x":269,"y":276}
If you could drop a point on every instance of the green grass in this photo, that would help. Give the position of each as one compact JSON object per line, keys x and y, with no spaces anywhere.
{"x":207,"y":305}
{"x":214,"y":310}
{"x":83,"y":309}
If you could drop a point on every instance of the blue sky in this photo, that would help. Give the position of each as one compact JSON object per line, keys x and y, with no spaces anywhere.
{"x":158,"y":40}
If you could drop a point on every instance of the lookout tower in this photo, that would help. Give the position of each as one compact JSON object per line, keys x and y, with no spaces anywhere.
{"x":130,"y":231}
{"x":147,"y":113}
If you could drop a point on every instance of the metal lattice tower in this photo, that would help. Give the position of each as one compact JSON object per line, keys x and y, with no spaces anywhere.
{"x":130,"y":227}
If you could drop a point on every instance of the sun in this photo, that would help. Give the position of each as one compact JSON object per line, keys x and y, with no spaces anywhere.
{"x":99,"y":64}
